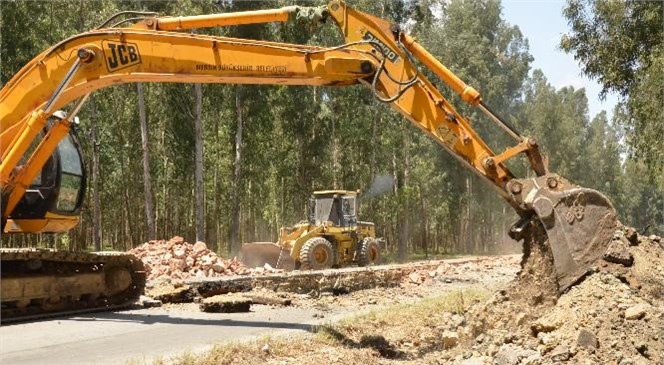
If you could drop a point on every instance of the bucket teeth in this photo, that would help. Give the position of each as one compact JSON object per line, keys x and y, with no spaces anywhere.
{"x":579,"y":223}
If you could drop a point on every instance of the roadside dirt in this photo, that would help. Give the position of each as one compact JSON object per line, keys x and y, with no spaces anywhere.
{"x":487,"y":272}
{"x":614,"y":316}
{"x":481,"y":275}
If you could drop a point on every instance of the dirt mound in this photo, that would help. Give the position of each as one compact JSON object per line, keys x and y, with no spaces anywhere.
{"x":177,"y":259}
{"x":614,"y":316}
{"x":491,"y":268}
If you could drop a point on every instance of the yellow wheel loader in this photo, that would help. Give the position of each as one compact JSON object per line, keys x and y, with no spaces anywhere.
{"x":330,"y":237}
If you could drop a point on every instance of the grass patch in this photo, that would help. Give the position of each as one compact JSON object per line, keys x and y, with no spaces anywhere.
{"x":400,"y":332}
{"x":403,"y":331}
{"x":250,"y":352}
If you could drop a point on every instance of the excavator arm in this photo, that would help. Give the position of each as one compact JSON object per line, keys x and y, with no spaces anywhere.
{"x":376,"y":54}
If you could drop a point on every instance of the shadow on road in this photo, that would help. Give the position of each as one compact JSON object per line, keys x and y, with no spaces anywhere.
{"x":150,"y":319}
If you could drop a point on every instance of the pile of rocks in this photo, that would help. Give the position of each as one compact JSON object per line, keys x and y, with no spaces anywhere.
{"x":614,"y":316}
{"x":177,"y":259}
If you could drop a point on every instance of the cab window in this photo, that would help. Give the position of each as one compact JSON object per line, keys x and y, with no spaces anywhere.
{"x":72,"y":176}
{"x":349,"y":206}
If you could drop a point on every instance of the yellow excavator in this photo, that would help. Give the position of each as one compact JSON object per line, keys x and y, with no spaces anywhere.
{"x":42,"y":174}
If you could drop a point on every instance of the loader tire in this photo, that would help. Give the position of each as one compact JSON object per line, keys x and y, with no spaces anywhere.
{"x":369,"y":253}
{"x":316,"y":254}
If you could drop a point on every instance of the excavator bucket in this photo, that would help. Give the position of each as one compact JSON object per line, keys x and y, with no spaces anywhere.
{"x":257,"y":254}
{"x":579,"y":223}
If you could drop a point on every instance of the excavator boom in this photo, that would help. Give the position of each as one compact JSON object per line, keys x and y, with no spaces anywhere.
{"x":376,"y":54}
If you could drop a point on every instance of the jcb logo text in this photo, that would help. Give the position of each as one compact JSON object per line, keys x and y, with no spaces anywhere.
{"x":378,"y":44}
{"x":120,"y":55}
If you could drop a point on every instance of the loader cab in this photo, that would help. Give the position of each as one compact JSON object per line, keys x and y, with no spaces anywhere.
{"x":53,"y":201}
{"x":336,"y":206}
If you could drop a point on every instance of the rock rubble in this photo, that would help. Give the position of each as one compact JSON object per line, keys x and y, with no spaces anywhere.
{"x":614,"y":316}
{"x":176,"y":259}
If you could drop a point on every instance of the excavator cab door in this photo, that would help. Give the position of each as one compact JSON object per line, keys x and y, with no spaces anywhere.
{"x":55,"y":197}
{"x":71,"y":175}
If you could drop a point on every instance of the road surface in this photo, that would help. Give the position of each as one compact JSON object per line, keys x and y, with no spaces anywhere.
{"x":144,"y":335}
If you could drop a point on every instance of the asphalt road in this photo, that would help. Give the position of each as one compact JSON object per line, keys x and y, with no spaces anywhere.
{"x":131,"y":336}
{"x":144,"y":335}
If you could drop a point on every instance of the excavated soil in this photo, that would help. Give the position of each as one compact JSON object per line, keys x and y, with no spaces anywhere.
{"x":613,"y":316}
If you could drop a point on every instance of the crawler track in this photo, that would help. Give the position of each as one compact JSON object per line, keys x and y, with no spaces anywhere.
{"x":38,"y":284}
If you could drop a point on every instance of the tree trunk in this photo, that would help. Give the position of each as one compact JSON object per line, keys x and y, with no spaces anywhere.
{"x":198,"y":172}
{"x":282,"y":207}
{"x":147,"y":177}
{"x":404,"y":220}
{"x":128,"y":222}
{"x":217,"y":192}
{"x":423,"y":225}
{"x":237,"y":176}
{"x":96,"y":204}
{"x":468,"y":244}
{"x":335,"y":153}
{"x":375,"y":142}
{"x":165,"y":216}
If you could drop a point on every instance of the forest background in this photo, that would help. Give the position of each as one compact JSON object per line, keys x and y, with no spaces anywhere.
{"x":227,"y":164}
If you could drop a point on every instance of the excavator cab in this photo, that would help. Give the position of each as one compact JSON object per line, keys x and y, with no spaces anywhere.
{"x":53,"y":201}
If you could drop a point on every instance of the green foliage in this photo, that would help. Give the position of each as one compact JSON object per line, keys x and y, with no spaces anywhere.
{"x":645,"y":107}
{"x":559,"y":119}
{"x":621,"y":43}
{"x":299,"y":139}
{"x":614,"y":40}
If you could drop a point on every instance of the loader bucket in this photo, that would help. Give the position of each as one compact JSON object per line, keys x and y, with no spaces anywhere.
{"x":579,"y":223}
{"x":257,"y":254}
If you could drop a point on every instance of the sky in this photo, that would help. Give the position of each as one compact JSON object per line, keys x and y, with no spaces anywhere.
{"x":542,"y":22}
